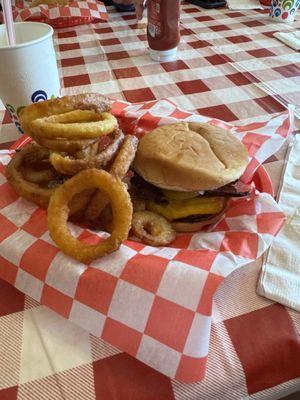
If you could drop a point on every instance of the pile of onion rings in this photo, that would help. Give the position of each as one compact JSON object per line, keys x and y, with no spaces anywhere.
{"x":69,"y":165}
{"x":59,"y":106}
{"x":69,"y":124}
{"x":65,"y":169}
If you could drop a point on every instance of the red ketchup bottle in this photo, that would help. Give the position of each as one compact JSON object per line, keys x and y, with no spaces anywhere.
{"x":163,"y":30}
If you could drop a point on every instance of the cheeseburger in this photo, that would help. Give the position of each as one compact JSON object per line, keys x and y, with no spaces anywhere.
{"x":187,"y":171}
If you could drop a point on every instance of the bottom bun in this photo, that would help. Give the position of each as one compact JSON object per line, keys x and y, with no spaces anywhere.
{"x":196,"y":226}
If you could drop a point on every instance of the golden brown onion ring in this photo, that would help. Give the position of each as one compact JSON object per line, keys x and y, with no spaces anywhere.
{"x":152,"y":229}
{"x":70,"y":166}
{"x":58,"y":212}
{"x":62,"y":125}
{"x":33,"y":191}
{"x":28,"y":190}
{"x":86,"y":101}
{"x":64,"y":145}
{"x":125,"y":157}
{"x":118,"y":169}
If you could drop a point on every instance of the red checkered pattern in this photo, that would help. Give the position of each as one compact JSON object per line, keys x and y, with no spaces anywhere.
{"x":153,"y":303}
{"x":67,"y":363}
{"x":227,"y":74}
{"x":76,"y":13}
{"x":112,"y":58}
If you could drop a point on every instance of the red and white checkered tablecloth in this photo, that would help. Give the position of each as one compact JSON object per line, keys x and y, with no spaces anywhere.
{"x":75,"y":13}
{"x":231,"y":68}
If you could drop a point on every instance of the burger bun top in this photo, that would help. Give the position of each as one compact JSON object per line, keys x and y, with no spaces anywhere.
{"x":190,"y":156}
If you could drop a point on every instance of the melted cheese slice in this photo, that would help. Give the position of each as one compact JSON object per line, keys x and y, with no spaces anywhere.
{"x":176,"y":209}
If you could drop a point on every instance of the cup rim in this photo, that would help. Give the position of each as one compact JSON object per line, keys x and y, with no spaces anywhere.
{"x":31,"y":42}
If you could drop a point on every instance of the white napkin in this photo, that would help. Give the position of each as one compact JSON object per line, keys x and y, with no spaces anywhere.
{"x":280,"y":276}
{"x":291,"y":39}
{"x":243,"y":4}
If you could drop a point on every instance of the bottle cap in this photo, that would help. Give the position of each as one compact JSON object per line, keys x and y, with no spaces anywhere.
{"x":163,"y":55}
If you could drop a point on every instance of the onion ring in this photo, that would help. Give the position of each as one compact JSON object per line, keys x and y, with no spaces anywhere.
{"x":118,"y":169}
{"x":68,"y":166}
{"x":58,"y":211}
{"x":87,"y":101}
{"x":61,"y":125}
{"x":32,"y":191}
{"x":125,"y":157}
{"x":36,"y":167}
{"x":152,"y":229}
{"x":62,"y":144}
{"x":70,"y":117}
{"x":28,"y":190}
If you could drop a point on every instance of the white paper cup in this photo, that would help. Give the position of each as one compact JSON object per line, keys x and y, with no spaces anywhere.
{"x":284,"y":10}
{"x":28,"y":70}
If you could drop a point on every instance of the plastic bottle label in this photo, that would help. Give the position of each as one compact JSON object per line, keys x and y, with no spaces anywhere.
{"x":154,"y":23}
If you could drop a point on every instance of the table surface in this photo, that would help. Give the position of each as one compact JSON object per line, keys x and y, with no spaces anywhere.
{"x":229,"y":67}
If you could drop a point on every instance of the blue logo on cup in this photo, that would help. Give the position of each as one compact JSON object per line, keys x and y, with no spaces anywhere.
{"x":39,"y":95}
{"x":277,"y":12}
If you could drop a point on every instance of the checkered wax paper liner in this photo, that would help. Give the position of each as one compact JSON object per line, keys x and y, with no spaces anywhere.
{"x":75,"y":13}
{"x":153,"y":303}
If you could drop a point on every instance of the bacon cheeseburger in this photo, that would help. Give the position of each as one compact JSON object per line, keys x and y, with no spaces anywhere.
{"x":187,"y":171}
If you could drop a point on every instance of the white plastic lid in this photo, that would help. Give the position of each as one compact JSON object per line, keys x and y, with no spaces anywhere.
{"x":163,"y":55}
